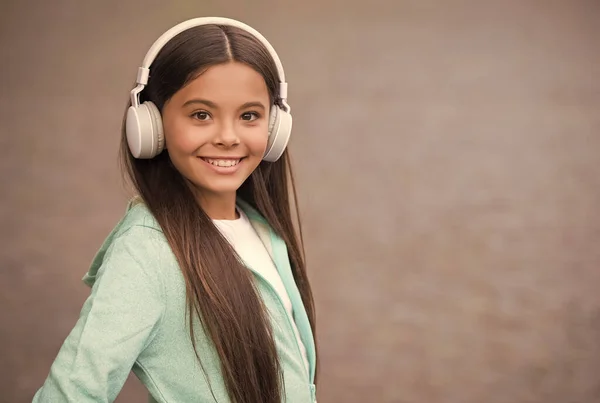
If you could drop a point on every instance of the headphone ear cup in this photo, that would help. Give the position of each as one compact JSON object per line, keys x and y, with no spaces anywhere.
{"x":144,"y":131}
{"x":280,"y":130}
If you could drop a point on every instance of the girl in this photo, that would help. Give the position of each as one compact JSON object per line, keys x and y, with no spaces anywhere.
{"x":201,"y":288}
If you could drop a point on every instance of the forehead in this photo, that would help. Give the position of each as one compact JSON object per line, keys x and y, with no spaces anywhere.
{"x":228,"y":83}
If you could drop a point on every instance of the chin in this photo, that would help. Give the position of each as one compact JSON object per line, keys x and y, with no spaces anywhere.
{"x":219,"y":187}
{"x":214,"y":183}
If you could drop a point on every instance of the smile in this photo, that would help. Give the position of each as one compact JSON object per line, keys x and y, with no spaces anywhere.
{"x":223,"y":166}
{"x":223,"y":162}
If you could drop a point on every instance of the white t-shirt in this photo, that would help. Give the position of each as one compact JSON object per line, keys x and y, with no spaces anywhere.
{"x":250,"y":248}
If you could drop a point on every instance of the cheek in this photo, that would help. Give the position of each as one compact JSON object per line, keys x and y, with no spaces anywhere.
{"x":257,"y":142}
{"x":181,"y":138}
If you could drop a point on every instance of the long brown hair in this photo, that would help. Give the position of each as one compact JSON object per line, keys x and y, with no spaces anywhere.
{"x":220,"y":291}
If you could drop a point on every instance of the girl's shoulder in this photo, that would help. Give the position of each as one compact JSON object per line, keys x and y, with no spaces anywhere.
{"x":137,"y":214}
{"x":137,"y":237}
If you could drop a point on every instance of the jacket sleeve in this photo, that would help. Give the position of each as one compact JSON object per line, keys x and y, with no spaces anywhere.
{"x":117,"y":321}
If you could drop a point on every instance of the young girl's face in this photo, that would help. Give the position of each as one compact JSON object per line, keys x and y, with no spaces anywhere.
{"x":216,"y":127}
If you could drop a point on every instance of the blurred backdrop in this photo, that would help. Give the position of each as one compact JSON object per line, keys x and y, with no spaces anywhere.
{"x":448,"y":160}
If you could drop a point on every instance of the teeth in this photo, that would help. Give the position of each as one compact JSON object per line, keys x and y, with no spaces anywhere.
{"x":223,"y":163}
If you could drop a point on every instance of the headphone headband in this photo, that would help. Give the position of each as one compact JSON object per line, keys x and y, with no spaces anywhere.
{"x":144,"y":70}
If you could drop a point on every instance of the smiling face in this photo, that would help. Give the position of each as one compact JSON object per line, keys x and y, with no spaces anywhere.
{"x":216,"y":128}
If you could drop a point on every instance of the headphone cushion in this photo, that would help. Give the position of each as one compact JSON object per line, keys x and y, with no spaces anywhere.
{"x":273,"y":116}
{"x":158,"y":136}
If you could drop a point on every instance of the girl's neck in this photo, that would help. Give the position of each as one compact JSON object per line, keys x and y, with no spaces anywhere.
{"x":218,"y":206}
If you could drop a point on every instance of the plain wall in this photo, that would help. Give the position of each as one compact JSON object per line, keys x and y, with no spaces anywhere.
{"x":448,"y":161}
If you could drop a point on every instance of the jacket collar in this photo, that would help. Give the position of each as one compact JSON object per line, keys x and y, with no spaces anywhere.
{"x":278,"y":251}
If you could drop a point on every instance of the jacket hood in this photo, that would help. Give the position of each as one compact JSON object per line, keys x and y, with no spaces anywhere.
{"x":136,"y":214}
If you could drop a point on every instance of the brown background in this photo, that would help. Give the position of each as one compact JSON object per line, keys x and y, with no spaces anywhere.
{"x":448,"y":159}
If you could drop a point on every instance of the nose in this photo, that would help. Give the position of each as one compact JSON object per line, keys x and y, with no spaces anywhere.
{"x":227,"y":136}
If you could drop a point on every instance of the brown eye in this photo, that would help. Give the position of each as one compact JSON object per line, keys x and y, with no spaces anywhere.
{"x":201,"y":115}
{"x":250,"y":116}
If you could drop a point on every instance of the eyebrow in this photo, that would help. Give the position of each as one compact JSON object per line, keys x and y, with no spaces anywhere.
{"x":211,"y":104}
{"x":200,"y":101}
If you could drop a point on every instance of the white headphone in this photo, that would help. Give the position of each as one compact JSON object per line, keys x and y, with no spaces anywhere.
{"x":144,"y":128}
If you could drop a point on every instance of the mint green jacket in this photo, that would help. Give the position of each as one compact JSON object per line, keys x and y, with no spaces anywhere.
{"x":135,"y":320}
